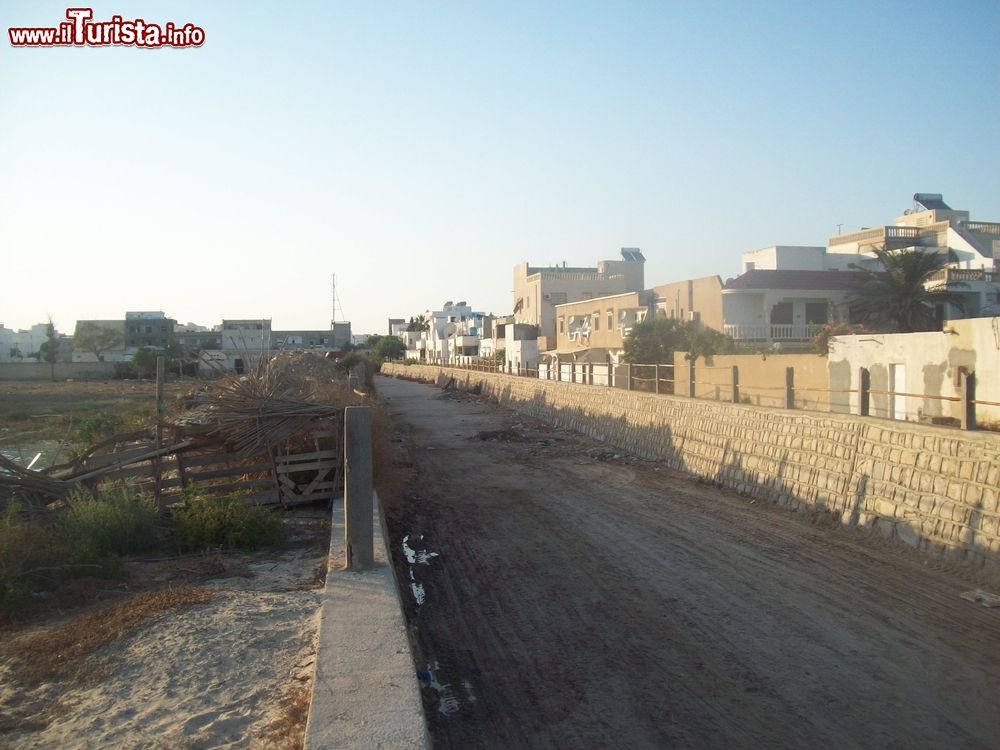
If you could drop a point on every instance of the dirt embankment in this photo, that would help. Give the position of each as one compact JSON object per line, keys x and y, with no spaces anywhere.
{"x":561,"y":594}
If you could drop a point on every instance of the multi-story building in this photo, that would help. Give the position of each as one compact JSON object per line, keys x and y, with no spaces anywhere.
{"x":698,"y":300}
{"x":334,"y":340}
{"x":456,"y":330}
{"x":148,"y":328}
{"x":785,"y":290}
{"x":22,"y":344}
{"x":537,"y":289}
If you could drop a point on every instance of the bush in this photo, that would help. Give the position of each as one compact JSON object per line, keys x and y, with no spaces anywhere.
{"x":84,"y":538}
{"x":97,"y":427}
{"x":225,"y":521}
{"x":27,"y":552}
{"x":95,"y":526}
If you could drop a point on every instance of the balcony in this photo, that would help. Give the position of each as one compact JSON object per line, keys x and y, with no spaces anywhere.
{"x":983,"y":227}
{"x":964,"y":275}
{"x":772,"y":332}
{"x":889,"y":236}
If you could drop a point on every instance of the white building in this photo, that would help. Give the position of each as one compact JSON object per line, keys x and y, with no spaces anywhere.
{"x":784,"y":290}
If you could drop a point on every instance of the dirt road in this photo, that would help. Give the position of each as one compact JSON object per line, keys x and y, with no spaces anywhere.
{"x":561,"y":595}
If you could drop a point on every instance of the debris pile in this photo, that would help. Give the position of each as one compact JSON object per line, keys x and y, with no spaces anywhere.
{"x":273,"y":433}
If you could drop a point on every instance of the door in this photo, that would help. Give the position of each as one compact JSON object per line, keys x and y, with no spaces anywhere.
{"x":897,"y":402}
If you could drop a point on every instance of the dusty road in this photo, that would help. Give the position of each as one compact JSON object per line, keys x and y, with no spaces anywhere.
{"x":561,"y":596}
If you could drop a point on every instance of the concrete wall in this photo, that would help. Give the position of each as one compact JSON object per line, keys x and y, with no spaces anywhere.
{"x":762,"y":378}
{"x":64,"y":370}
{"x":930,"y":363}
{"x":702,"y":296}
{"x":931,"y":487}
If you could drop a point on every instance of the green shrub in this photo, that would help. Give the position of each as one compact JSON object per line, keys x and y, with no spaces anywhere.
{"x":225,"y":521}
{"x":95,"y":526}
{"x":98,"y":427}
{"x":27,"y":554}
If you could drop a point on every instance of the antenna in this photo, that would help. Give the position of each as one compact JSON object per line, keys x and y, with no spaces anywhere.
{"x":334,"y":302}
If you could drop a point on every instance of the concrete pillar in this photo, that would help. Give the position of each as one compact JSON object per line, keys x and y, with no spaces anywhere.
{"x":359,"y":543}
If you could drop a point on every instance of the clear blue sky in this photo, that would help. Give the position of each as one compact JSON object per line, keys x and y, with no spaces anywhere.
{"x":420,"y":151}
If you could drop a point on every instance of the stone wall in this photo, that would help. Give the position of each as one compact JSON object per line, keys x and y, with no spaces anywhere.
{"x":932,"y":487}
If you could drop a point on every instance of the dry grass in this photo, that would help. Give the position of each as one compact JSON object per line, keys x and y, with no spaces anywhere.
{"x":57,"y":652}
{"x":288,"y":730}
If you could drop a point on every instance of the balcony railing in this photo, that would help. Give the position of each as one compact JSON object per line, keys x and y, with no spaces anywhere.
{"x":877,"y":235}
{"x":983,"y":227}
{"x":772,"y":332}
{"x":963,"y":275}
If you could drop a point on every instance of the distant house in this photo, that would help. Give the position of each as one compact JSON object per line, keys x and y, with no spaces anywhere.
{"x":455,"y":330}
{"x":784,"y":289}
{"x":149,"y":329}
{"x":119,"y":353}
{"x":698,"y":300}
{"x":538,"y":289}
{"x":770,"y":306}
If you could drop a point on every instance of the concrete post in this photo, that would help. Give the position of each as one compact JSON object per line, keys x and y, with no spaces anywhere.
{"x":967,"y":392}
{"x":864,"y":391}
{"x":359,"y":542}
{"x":736,"y":384}
{"x":789,"y":387}
{"x":161,"y":371}
{"x":691,"y":386}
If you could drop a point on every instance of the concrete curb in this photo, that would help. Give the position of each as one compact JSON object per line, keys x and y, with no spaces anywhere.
{"x":365,"y":691}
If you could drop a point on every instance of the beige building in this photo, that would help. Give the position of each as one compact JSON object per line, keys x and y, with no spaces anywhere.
{"x":694,"y":299}
{"x":598,"y":327}
{"x":537,"y":290}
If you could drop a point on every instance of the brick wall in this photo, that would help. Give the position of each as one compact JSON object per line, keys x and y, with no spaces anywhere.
{"x":931,"y":487}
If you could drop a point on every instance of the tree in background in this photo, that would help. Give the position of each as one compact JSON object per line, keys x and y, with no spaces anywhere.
{"x":655,"y":341}
{"x":49,"y":349}
{"x":901,"y":298}
{"x":417,"y":323}
{"x":97,"y":338}
{"x":144,"y":361}
{"x":386,"y":347}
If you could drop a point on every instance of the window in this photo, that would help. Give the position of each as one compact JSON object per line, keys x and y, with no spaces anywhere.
{"x":611,"y":319}
{"x":817,"y":312}
{"x":597,"y":321}
{"x":562,"y":325}
{"x":781,"y":313}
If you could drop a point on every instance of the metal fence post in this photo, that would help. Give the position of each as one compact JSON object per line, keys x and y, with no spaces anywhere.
{"x":789,"y":387}
{"x":358,"y":526}
{"x":736,"y":384}
{"x":864,"y":391}
{"x":967,"y":392}
{"x":691,"y":390}
{"x":656,"y":377}
{"x":628,"y":377}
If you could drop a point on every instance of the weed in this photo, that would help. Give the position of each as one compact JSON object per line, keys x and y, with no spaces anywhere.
{"x":91,"y":429}
{"x":225,"y":521}
{"x":95,"y":525}
{"x":83,"y":538}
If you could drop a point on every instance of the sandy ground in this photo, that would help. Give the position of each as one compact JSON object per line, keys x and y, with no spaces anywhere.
{"x":562,"y":594}
{"x":201,"y":676}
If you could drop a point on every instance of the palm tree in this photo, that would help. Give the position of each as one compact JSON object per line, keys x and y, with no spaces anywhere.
{"x":901,"y":298}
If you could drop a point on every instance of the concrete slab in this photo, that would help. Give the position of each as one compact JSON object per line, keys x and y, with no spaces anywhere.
{"x":365,"y":690}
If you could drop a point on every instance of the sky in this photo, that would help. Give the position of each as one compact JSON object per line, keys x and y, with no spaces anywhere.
{"x":419,"y":151}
